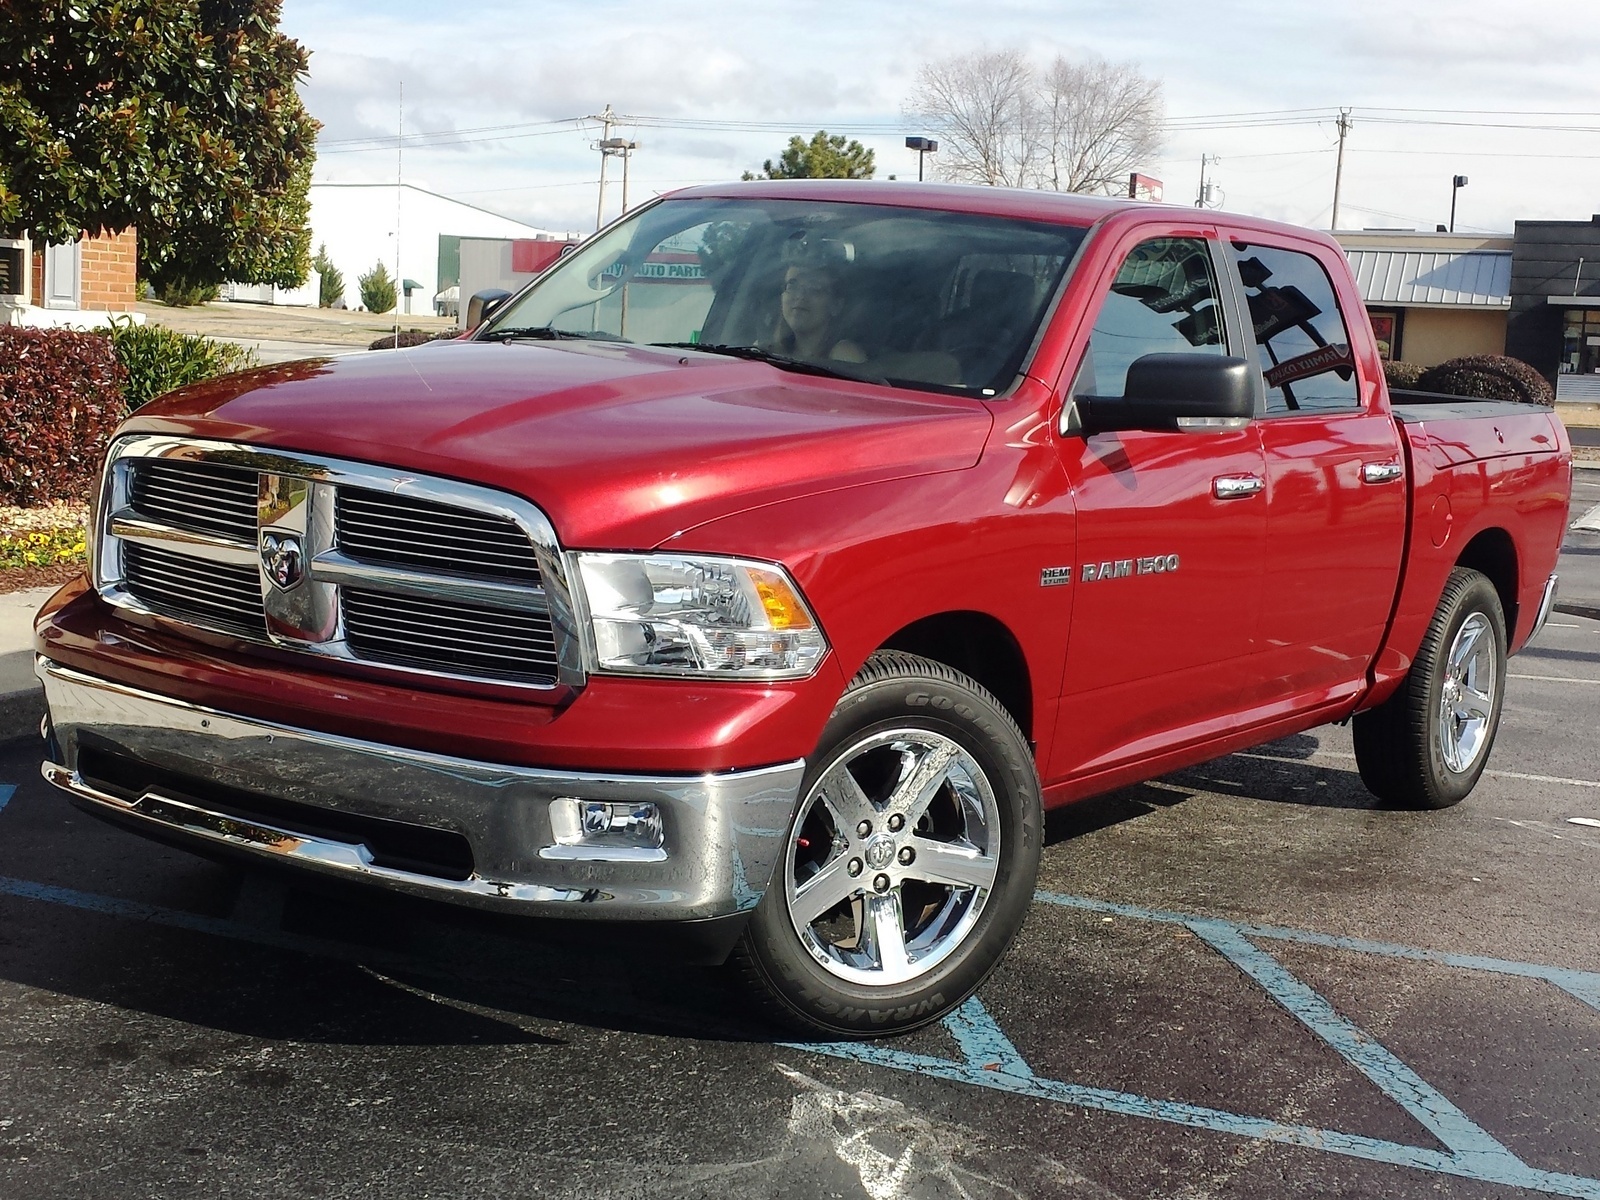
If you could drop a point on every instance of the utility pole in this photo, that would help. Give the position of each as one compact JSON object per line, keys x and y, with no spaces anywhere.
{"x":624,"y":148}
{"x":1338,"y":171}
{"x":399,"y":175}
{"x":607,"y":119}
{"x":1203,"y":197}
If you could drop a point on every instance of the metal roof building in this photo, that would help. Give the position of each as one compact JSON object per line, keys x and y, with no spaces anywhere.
{"x":1436,"y":278}
{"x":1432,"y":296}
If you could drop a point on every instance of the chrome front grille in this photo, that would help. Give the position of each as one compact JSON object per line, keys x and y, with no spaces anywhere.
{"x":202,"y":497}
{"x":491,"y":642}
{"x":406,"y":531}
{"x":337,"y":559}
{"x":214,"y":594}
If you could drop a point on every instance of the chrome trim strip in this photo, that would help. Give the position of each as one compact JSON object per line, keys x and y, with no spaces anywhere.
{"x":311,"y":616}
{"x":168,"y":813}
{"x":333,"y":567}
{"x":129,"y":526}
{"x":724,"y":831}
{"x":1547,"y":604}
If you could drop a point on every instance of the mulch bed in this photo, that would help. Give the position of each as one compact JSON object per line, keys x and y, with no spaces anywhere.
{"x":17,"y":579}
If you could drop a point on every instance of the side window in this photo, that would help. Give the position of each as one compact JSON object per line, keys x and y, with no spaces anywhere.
{"x":1301,"y":340}
{"x":1163,"y":301}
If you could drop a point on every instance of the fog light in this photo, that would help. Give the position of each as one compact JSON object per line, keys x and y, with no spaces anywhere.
{"x":594,"y":825}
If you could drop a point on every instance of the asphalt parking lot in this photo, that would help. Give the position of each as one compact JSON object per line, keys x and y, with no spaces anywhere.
{"x":1242,"y":980}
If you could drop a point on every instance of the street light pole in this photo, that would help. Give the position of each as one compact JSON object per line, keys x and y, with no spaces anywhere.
{"x":924,"y":146}
{"x":1457,"y":182}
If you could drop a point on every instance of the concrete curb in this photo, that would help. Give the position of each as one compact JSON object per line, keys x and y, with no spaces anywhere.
{"x":20,"y":714}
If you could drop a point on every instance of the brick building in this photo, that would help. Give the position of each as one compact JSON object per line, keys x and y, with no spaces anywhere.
{"x":80,"y":284}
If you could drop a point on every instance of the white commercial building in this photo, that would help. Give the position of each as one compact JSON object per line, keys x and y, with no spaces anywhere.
{"x":358,"y":222}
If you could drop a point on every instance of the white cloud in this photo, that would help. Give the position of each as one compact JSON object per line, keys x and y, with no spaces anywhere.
{"x":809,"y":64}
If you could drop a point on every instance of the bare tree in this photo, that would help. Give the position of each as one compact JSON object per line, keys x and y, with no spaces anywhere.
{"x":1075,"y":127}
{"x":983,"y":107}
{"x":1101,"y":122}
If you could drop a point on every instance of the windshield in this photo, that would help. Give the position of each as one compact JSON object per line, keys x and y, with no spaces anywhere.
{"x":940,"y":300}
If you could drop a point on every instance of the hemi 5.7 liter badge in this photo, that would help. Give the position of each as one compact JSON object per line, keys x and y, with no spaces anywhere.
{"x":1055,"y":576}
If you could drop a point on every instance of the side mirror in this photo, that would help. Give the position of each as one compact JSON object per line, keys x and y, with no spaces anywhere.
{"x":1175,"y":392}
{"x":483,"y":304}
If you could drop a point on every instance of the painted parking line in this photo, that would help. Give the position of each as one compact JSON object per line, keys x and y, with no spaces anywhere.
{"x":1347,"y":756}
{"x":1589,"y":520}
{"x":7,"y":790}
{"x":990,"y":1060}
{"x":1555,"y":679}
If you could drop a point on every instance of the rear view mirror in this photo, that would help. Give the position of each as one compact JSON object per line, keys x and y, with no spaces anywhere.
{"x":1175,"y":392}
{"x":483,"y":304}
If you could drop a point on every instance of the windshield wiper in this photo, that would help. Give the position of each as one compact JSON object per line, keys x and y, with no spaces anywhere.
{"x":803,"y":366}
{"x":544,"y":333}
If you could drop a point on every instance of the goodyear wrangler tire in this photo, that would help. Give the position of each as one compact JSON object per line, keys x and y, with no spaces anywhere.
{"x":1426,"y":746}
{"x":910,"y":860}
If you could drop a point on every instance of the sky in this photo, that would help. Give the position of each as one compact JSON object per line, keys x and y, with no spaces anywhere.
{"x":1506,"y":92}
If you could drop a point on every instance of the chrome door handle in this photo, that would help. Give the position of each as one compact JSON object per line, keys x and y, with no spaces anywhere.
{"x":1384,"y":472}
{"x":1236,"y":487}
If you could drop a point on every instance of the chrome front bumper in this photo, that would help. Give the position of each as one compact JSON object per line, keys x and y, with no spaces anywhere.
{"x":723,"y":832}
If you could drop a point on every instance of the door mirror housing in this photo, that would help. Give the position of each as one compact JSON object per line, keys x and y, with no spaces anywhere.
{"x":1189,"y":392}
{"x":483,"y":304}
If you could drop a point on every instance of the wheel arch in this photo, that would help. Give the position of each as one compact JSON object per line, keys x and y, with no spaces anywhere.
{"x":978,"y":645}
{"x":1493,"y":553}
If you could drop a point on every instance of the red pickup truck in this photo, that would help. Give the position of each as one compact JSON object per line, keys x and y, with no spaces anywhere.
{"x":761,"y":573}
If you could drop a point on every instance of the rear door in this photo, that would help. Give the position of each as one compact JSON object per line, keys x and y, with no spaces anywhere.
{"x":1170,"y":527}
{"x":1336,"y":486}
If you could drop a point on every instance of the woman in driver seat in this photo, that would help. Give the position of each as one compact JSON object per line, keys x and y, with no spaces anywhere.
{"x":809,"y":309}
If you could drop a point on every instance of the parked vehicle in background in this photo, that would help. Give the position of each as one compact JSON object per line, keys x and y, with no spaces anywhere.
{"x":762,"y":572}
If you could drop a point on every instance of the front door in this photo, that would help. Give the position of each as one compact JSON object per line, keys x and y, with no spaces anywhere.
{"x":1171,"y":528}
{"x":1336,"y":485}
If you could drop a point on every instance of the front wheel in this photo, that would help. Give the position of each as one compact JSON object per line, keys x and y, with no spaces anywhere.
{"x":1426,"y":746}
{"x":910,"y":861}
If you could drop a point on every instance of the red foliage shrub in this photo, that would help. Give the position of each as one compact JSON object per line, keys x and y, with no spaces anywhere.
{"x":60,"y":398}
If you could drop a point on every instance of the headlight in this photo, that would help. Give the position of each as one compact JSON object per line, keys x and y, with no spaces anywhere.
{"x":651,"y":614}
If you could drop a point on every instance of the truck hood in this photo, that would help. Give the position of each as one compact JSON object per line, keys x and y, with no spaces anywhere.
{"x":622,"y":446}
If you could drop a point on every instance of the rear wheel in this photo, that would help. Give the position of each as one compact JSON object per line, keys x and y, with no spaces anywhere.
{"x":910,"y":860}
{"x":1427,"y":745}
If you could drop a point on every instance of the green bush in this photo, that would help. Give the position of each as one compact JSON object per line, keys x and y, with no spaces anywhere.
{"x":330,"y":285}
{"x":158,"y":360}
{"x":1402,"y":374}
{"x":60,"y":398}
{"x":177,"y":293}
{"x":1489,"y":377}
{"x":377,"y":289}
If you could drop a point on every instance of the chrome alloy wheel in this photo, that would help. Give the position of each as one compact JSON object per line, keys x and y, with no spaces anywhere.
{"x":893,"y":857}
{"x":1466,"y":701}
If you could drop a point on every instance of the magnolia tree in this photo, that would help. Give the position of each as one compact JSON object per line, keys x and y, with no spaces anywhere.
{"x":180,"y":117}
{"x":1072,"y":126}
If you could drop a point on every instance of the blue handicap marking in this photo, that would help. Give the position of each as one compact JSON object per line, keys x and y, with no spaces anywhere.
{"x":7,"y":790}
{"x":989,"y":1059}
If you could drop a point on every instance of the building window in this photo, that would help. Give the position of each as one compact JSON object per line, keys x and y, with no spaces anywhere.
{"x":1580,"y":343}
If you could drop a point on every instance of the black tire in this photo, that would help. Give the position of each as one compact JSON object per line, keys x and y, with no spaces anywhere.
{"x":897,"y":692}
{"x":1399,"y":749}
